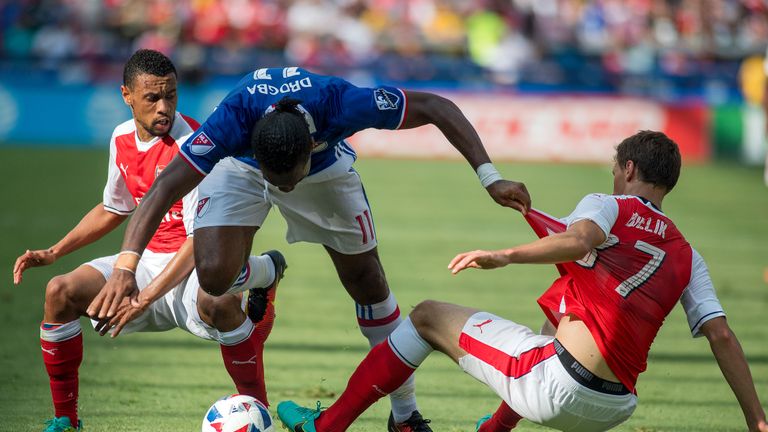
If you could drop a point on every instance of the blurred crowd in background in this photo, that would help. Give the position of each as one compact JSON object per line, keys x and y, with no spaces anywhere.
{"x":661,"y":48}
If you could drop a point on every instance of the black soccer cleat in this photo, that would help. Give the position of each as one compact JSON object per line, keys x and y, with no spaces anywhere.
{"x":415,"y":423}
{"x":259,"y":298}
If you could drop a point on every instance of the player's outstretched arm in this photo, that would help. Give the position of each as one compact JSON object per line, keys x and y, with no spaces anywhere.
{"x":429,"y":108}
{"x":571,"y":245}
{"x":730,"y":357}
{"x":175,"y":181}
{"x":93,"y":226}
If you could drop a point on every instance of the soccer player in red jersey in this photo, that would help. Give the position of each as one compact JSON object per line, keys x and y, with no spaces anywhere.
{"x":170,"y":296}
{"x":623,"y":265}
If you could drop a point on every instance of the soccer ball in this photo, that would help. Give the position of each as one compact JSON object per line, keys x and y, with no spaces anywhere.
{"x":238,"y":413}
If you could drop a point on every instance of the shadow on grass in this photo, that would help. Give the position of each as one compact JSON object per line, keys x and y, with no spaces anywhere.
{"x":191,"y":343}
{"x":698,"y":358}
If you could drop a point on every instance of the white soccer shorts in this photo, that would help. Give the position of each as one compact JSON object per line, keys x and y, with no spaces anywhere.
{"x":329,"y":207}
{"x":177,"y":308}
{"x":524,"y":369}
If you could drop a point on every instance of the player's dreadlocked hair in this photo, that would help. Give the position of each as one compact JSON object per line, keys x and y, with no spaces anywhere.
{"x":146,"y":61}
{"x":281,"y":139}
{"x":657,"y":157}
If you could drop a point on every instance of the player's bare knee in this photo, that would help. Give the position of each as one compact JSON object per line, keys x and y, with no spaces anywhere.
{"x":214,"y":276}
{"x":420,"y":315}
{"x":59,"y":293}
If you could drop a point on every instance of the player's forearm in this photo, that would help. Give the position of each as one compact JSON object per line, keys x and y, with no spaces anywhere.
{"x":554,"y":249}
{"x":428,"y":108}
{"x":180,"y":266}
{"x":94,"y":225}
{"x":733,"y":365}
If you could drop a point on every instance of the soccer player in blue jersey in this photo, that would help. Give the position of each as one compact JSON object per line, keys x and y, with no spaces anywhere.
{"x":279,"y":138}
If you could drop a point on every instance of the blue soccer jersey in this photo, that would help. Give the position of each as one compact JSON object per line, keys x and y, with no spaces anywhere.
{"x":333,"y":108}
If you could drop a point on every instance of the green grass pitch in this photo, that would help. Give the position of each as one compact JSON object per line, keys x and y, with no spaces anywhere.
{"x":425,"y":213}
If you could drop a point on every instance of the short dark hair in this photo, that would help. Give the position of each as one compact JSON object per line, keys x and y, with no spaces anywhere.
{"x":281,"y":139}
{"x":656,"y":156}
{"x":147,"y":61}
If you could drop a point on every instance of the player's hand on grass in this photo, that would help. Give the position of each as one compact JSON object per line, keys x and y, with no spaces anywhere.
{"x":479,"y":259}
{"x":31,"y":258}
{"x":120,"y":285}
{"x":510,"y":194}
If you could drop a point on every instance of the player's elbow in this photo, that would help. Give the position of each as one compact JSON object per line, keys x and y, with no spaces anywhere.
{"x":578,"y":247}
{"x":718,"y":332}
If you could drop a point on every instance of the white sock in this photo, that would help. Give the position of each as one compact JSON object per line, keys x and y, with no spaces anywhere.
{"x":377,"y":321}
{"x":258,"y":272}
{"x":54,"y":332}
{"x":237,"y":335}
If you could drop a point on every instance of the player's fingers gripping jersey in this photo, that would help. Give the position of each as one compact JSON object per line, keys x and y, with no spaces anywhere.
{"x":527,"y":372}
{"x":328,"y":208}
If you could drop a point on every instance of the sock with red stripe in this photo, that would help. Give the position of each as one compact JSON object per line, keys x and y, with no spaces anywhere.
{"x":258,"y":272}
{"x":242,"y":352}
{"x":503,"y":420}
{"x":383,"y":370}
{"x":62,"y":346}
{"x":376,"y":322}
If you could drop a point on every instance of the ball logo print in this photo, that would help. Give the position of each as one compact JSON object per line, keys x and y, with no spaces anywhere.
{"x":201,"y":144}
{"x":238,"y":413}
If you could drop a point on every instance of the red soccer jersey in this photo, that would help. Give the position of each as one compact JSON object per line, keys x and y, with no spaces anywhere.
{"x":624,"y":289}
{"x":134,"y":165}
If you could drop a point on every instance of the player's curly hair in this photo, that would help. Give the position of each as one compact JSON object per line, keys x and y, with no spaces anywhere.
{"x":147,"y":61}
{"x":281,"y":139}
{"x":657,"y":157}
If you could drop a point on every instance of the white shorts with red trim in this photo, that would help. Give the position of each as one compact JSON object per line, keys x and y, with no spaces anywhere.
{"x":176,"y":309}
{"x":523,"y":368}
{"x":329,"y":207}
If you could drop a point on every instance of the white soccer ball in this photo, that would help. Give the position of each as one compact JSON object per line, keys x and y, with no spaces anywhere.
{"x":238,"y":413}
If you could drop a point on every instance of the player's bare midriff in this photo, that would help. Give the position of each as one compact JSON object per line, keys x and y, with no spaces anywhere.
{"x":576,"y":338}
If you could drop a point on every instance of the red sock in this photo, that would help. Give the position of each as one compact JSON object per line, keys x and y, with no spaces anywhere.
{"x":503,"y":420}
{"x":245,"y":364}
{"x":62,"y":361}
{"x":380,"y":373}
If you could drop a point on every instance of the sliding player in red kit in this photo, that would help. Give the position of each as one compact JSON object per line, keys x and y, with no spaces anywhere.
{"x":624,"y":266}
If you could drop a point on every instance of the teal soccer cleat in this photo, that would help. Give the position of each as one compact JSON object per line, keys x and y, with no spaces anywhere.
{"x":62,"y":424}
{"x":296,"y":418}
{"x":482,"y":420}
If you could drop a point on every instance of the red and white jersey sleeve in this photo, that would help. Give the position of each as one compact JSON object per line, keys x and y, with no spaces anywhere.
{"x":699,"y":299}
{"x":133,"y":167}
{"x":117,"y":198}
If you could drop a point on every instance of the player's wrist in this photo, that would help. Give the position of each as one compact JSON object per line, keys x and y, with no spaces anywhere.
{"x":488,"y":174}
{"x":127,"y":261}
{"x":53,"y":252}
